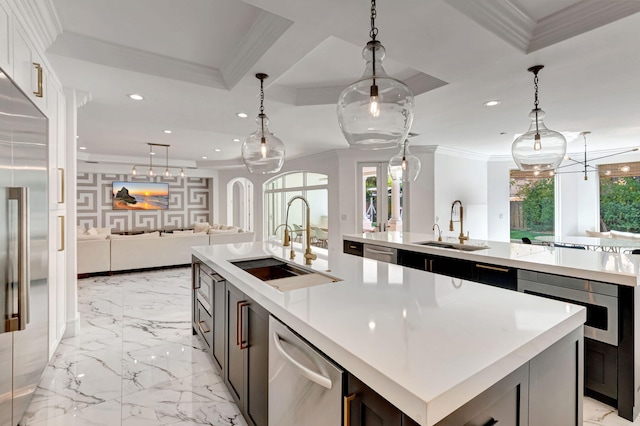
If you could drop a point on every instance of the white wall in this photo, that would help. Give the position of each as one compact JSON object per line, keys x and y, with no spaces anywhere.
{"x":498,"y":212}
{"x":458,"y":176}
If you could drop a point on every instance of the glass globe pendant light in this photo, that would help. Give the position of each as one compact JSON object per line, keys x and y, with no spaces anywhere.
{"x":375,"y":112}
{"x":404,"y":165}
{"x":539,"y":148}
{"x":262,"y":152}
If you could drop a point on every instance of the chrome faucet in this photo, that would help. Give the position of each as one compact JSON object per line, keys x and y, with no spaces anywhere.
{"x":286,"y":239}
{"x":308,"y":256}
{"x":439,"y":231}
{"x":461,"y":237}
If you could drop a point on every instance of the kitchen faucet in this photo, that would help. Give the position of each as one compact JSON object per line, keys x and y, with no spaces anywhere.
{"x":439,"y":231}
{"x":461,"y":237}
{"x":286,"y":239}
{"x":308,"y":256}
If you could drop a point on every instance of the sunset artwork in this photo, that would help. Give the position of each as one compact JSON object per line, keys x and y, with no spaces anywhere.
{"x":140,"y":196}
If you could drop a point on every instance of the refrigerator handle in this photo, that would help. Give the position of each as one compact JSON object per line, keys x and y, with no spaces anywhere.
{"x":21,"y":194}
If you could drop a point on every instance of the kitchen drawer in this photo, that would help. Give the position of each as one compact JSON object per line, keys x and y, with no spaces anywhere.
{"x":204,"y":323}
{"x":351,"y":247}
{"x":381,"y":253}
{"x":497,"y":276}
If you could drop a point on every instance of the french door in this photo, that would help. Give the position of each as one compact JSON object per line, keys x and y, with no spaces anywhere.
{"x":374,"y":193}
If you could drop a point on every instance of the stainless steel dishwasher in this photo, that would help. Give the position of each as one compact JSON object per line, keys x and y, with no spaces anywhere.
{"x":305,"y":388}
{"x":385,"y":254}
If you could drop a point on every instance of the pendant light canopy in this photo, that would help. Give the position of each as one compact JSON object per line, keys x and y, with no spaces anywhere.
{"x":262,"y":152}
{"x":539,"y":148}
{"x":376,"y":111}
{"x":404,"y":165}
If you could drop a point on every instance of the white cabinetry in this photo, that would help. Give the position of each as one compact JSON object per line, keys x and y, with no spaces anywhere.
{"x":29,"y":68}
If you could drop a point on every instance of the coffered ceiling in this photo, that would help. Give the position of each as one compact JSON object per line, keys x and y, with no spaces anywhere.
{"x":194,"y":62}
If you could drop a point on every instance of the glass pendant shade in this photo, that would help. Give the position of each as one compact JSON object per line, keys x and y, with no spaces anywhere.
{"x":404,"y":166}
{"x":262,"y":151}
{"x":375,"y":112}
{"x":539,"y":148}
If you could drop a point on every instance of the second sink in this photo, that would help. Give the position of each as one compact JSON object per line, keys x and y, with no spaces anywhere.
{"x":453,"y":246}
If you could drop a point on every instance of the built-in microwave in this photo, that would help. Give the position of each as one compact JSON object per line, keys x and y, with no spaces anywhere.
{"x":600,"y":300}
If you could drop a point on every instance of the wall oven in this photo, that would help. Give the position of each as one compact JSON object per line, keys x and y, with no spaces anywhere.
{"x":600,"y":300}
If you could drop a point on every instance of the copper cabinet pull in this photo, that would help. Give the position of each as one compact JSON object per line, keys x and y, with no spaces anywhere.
{"x":347,"y":408}
{"x":38,"y":93}
{"x":430,"y":265}
{"x":202,"y":329}
{"x":244,"y":344}
{"x":492,"y":268}
{"x":353,"y":247}
{"x":238,"y":321}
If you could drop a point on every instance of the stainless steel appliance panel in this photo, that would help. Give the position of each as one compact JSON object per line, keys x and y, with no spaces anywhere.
{"x":305,"y":388}
{"x":384,"y":254}
{"x":601,"y":309}
{"x":23,"y":165}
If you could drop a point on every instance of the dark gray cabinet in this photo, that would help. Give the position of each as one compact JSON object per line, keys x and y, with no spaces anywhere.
{"x":247,"y":356}
{"x":352,"y":247}
{"x":497,"y":276}
{"x":442,"y":265}
{"x":364,"y":407}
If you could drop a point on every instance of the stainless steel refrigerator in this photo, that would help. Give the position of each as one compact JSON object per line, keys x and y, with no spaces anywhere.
{"x":24,"y":300}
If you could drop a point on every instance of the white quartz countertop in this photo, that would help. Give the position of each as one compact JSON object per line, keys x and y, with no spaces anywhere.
{"x":426,"y":342}
{"x":602,"y":266}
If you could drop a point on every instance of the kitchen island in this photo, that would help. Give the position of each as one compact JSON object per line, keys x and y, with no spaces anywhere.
{"x":606,"y":283}
{"x":427,"y":343}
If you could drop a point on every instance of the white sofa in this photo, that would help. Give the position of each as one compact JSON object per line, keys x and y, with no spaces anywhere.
{"x":103,"y":252}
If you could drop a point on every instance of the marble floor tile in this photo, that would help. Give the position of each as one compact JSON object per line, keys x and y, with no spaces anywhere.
{"x":136,"y":362}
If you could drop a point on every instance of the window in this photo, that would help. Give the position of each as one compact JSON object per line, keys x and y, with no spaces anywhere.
{"x":314,"y":187}
{"x":620,"y":197}
{"x":532,"y":204}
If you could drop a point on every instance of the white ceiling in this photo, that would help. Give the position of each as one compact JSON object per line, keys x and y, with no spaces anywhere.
{"x":194,"y":62}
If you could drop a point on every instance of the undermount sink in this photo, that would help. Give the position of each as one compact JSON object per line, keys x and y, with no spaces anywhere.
{"x":282,"y":275}
{"x":454,"y":246}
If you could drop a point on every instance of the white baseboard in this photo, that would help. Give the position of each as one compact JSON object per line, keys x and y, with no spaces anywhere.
{"x":72,"y":327}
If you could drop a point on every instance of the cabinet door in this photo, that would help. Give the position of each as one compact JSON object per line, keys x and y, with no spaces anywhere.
{"x":5,"y":39}
{"x":352,"y":247}
{"x":365,"y":407}
{"x":219,"y":289}
{"x":413,"y":260}
{"x":497,"y":276}
{"x":235,"y":360}
{"x":451,"y":267}
{"x":256,"y":404}
{"x":601,"y":368}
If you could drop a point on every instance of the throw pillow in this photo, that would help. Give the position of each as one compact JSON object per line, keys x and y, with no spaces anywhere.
{"x":92,"y":231}
{"x":81,"y":230}
{"x":201,"y":227}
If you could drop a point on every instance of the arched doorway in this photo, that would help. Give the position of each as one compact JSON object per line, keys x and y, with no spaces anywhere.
{"x":240,"y":203}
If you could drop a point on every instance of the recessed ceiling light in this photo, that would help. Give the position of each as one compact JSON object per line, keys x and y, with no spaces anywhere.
{"x":77,"y":137}
{"x":242,"y":114}
{"x":83,"y":147}
{"x":217,"y":150}
{"x":167,"y":132}
{"x":136,"y":97}
{"x":236,"y":140}
{"x":493,"y":102}
{"x":204,"y":157}
{"x":152,"y":153}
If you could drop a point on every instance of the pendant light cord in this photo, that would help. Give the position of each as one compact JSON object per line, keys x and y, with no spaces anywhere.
{"x":536,"y":102}
{"x":373,"y":33}
{"x":262,"y":139}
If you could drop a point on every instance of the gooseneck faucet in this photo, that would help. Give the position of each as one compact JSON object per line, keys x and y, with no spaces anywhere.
{"x":439,"y":231}
{"x":286,"y":239}
{"x":308,"y":256}
{"x":461,"y":237}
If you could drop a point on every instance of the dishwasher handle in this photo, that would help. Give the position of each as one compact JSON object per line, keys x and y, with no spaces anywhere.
{"x":311,"y":375}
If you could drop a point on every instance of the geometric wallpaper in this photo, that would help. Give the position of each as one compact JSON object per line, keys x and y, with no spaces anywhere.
{"x":189,"y":201}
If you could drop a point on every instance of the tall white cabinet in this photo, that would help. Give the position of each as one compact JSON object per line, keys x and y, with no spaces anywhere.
{"x":24,"y":61}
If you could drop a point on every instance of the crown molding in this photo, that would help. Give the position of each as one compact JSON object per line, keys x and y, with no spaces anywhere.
{"x":97,"y":51}
{"x":41,"y":21}
{"x":461,"y":154}
{"x":579,"y":18}
{"x":265,"y":31}
{"x":502,"y":18}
